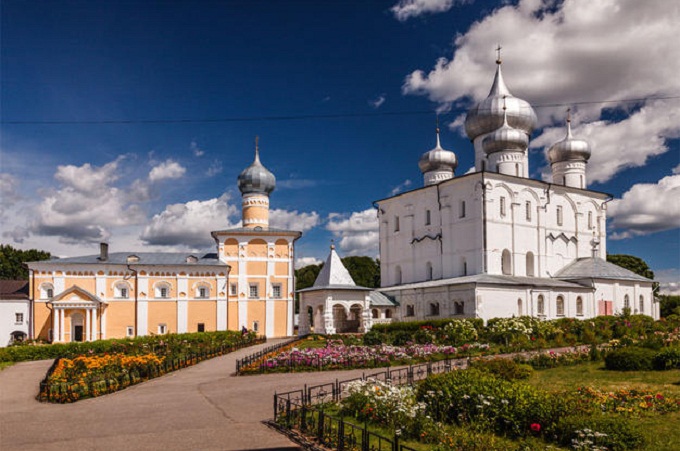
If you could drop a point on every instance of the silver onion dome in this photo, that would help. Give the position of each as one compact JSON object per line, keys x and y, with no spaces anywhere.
{"x":256,"y":178}
{"x":487,"y":115}
{"x":438,"y":159}
{"x":569,"y":149}
{"x":505,"y":138}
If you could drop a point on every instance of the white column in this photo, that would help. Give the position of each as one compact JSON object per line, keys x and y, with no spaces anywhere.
{"x":87,"y":323}
{"x":94,"y":324}
{"x":55,"y":324}
{"x":61,"y":325}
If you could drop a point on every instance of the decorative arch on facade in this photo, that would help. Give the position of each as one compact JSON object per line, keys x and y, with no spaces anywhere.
{"x":162,"y":289}
{"x":281,"y":249}
{"x":257,"y":248}
{"x":121,"y":289}
{"x":231,"y":247}
{"x":46,"y":290}
{"x":579,"y":306}
{"x":201,"y":289}
{"x":506,"y":262}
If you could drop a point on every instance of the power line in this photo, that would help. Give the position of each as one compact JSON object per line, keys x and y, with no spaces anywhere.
{"x":307,"y":116}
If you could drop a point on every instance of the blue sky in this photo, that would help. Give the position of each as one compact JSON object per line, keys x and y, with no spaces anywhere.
{"x":129,"y":121}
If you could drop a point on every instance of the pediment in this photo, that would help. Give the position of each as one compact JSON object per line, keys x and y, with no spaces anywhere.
{"x":76,"y":295}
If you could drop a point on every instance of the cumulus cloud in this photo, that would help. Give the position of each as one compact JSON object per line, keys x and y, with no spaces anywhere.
{"x":214,"y":169}
{"x":580,"y":50}
{"x":301,"y":262}
{"x":167,"y":170}
{"x":357,"y":232}
{"x":292,"y":220}
{"x":85,"y":205}
{"x":646,"y":208}
{"x":190,"y":223}
{"x":378,"y":101}
{"x":407,"y":9}
{"x":401,"y":187}
{"x":669,"y":281}
{"x":8,"y":191}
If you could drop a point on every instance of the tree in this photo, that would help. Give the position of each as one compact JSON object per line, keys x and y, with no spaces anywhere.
{"x":11,"y":260}
{"x":364,"y":270}
{"x":631,"y":263}
{"x":670,"y":305}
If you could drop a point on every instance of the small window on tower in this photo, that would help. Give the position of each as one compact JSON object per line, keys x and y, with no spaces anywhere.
{"x":590,"y":220}
{"x":559,"y":215}
{"x":462,"y":209}
{"x":233,"y":289}
{"x":253,"y":291}
{"x":528,"y":210}
{"x":428,"y":217}
{"x":503,"y":211}
{"x":276,"y":290}
{"x":396,"y":223}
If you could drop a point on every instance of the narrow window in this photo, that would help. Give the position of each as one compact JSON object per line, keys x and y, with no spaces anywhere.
{"x":202,"y":292}
{"x":253,"y":291}
{"x":410,"y":310}
{"x":428,"y":217}
{"x":123,"y":292}
{"x":50,"y":293}
{"x":559,"y":215}
{"x":130,"y":331}
{"x":527,"y":207}
{"x":396,"y":223}
{"x":232,"y":289}
{"x":462,"y":208}
{"x":560,"y":306}
{"x":502,"y":205}
{"x":465,"y":272}
{"x":162,"y":329}
{"x":590,"y":220}
{"x":18,"y":318}
{"x":256,"y":326}
{"x":388,"y":313}
{"x":428,"y":270}
{"x":540,"y":305}
{"x":276,"y":290}
{"x":201,"y":327}
{"x":434,"y":309}
{"x":530,"y":264}
{"x":506,"y":262}
{"x":459,"y":308}
{"x":579,"y":306}
{"x":163,"y":292}
{"x":626,"y":302}
{"x":642,"y":305}
{"x":520,"y":308}
{"x":375,"y":314}
{"x":397,"y":275}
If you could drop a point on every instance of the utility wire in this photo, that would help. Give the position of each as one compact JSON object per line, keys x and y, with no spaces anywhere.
{"x":306,"y":116}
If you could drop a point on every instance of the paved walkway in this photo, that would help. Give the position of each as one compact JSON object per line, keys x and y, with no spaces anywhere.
{"x":198,"y":408}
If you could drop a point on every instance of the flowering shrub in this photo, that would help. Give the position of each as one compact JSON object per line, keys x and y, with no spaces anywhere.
{"x":382,"y":403}
{"x":597,"y":433}
{"x":507,"y":330}
{"x":460,"y":331}
{"x":667,"y":359}
{"x":553,"y":359}
{"x":84,"y":367}
{"x":504,"y":368}
{"x":627,"y":402}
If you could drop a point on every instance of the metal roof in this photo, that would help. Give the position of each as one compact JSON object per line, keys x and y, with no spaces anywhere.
{"x":379,"y":299}
{"x":145,"y":258}
{"x":488,"y":279}
{"x":13,"y":289}
{"x":597,"y":268}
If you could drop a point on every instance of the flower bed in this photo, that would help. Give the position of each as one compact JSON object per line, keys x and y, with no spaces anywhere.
{"x":336,"y":355}
{"x":84,"y":376}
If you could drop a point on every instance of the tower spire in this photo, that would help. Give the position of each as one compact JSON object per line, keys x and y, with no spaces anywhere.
{"x":437,"y":131}
{"x":257,"y":149}
{"x":498,"y":55}
{"x":569,"y":122}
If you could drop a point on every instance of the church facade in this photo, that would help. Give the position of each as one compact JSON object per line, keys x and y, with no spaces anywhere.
{"x":495,"y":243}
{"x":247,"y":282}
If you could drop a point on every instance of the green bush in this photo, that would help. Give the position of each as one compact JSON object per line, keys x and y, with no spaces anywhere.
{"x":612,"y":433}
{"x":629,"y":359}
{"x":667,"y":359}
{"x":402,"y":337}
{"x":504,"y":368}
{"x":374,"y":338}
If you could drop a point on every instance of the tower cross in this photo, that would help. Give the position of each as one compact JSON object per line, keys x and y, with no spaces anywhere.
{"x":498,"y":52}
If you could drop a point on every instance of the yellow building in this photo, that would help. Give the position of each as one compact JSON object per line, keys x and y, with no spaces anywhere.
{"x":248,"y":282}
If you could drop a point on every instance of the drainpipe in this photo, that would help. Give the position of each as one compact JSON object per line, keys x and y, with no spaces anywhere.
{"x":31,"y":299}
{"x":441,"y":234}
{"x":484,"y":244}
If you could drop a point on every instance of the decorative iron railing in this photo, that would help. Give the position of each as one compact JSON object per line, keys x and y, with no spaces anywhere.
{"x":251,"y":359}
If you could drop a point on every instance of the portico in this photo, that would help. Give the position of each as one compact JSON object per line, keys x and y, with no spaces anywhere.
{"x":75,"y":316}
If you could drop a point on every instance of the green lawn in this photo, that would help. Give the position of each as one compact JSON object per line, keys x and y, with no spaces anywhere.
{"x":662,"y":431}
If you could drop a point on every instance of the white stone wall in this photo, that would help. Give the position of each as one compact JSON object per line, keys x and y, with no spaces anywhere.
{"x":8,"y":323}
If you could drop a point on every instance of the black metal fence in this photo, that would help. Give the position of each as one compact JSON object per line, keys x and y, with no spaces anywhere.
{"x":299,"y":410}
{"x":63,"y":392}
{"x":251,"y":359}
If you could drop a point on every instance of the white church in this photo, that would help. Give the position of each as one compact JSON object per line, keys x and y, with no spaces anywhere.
{"x":491,"y":243}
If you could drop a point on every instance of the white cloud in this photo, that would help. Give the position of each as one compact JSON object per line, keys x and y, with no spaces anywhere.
{"x":8,"y":191}
{"x":296,"y":183}
{"x":378,"y":101}
{"x":292,"y":220}
{"x":401,"y":187}
{"x":676,"y":170}
{"x":574,"y":51}
{"x":84,"y":207}
{"x":301,"y":262}
{"x":669,"y":281}
{"x":407,"y":9}
{"x":190,"y":223}
{"x":357,"y":233}
{"x":646,"y":208}
{"x":197,"y":151}
{"x":214,"y":169}
{"x":169,"y":169}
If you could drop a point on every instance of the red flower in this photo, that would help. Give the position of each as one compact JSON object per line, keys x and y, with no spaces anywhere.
{"x":535,"y":427}
{"x":659,"y":396}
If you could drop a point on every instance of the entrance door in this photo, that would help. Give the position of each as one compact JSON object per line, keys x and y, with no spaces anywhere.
{"x":77,"y":333}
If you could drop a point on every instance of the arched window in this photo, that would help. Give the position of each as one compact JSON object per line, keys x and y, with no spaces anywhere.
{"x":520,"y":308}
{"x":502,"y":205}
{"x":375,"y":314}
{"x":256,"y":326}
{"x":464,"y":265}
{"x":121,"y":290}
{"x":506,"y":263}
{"x":428,"y":271}
{"x":540,"y":305}
{"x":527,"y":210}
{"x":202,"y":291}
{"x":410,"y":310}
{"x":559,"y":306}
{"x":530,"y":264}
{"x":46,"y":291}
{"x":397,"y":275}
{"x":642,"y":305}
{"x":459,"y":308}
{"x":388,"y":313}
{"x":434,"y":309}
{"x":162,"y":290}
{"x":579,"y":306}
{"x":626,"y":302}
{"x":517,"y":169}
